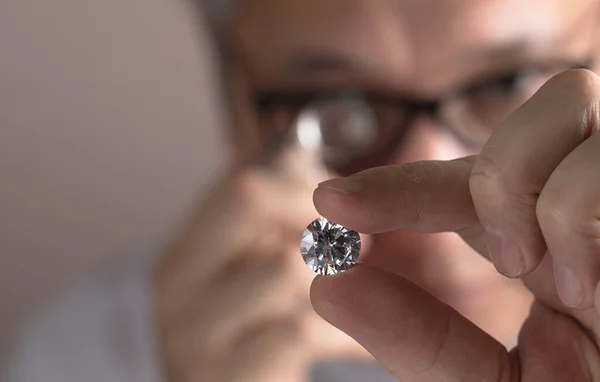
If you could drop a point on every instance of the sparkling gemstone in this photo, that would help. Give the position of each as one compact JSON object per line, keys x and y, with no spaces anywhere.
{"x":328,"y":248}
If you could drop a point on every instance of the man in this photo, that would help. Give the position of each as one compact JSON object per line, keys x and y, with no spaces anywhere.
{"x":436,"y":80}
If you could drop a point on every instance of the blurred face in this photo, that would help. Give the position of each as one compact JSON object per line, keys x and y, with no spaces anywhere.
{"x":430,"y":77}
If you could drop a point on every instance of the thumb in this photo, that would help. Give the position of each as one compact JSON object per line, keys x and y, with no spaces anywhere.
{"x":410,"y":332}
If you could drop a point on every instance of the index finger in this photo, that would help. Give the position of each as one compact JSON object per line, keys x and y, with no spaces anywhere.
{"x":429,"y":196}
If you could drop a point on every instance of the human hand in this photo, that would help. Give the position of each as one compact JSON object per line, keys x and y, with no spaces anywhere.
{"x":530,"y":202}
{"x":230,"y":297}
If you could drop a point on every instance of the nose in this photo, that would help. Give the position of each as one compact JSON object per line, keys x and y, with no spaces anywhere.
{"x":429,"y":140}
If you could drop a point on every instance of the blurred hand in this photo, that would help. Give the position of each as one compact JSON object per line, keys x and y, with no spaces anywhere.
{"x":232,"y":292}
{"x":530,"y":202}
{"x":230,"y":298}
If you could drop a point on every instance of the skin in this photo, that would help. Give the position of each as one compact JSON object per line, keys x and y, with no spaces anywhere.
{"x":442,"y":311}
{"x":421,"y":339}
{"x":422,"y":50}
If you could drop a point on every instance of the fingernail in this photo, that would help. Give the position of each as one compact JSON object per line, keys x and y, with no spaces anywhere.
{"x":570,"y":289}
{"x":504,"y":253}
{"x":345,"y":185}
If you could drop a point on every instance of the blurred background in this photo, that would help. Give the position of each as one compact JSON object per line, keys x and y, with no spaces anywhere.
{"x":107,"y":136}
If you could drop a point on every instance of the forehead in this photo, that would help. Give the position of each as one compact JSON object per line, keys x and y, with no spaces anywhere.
{"x":403,"y":38}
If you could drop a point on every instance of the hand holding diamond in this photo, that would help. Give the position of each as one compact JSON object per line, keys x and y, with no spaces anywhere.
{"x":232,"y":293}
{"x":529,"y":202}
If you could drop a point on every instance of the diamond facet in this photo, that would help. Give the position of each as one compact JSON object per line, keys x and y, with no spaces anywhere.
{"x":328,"y":248}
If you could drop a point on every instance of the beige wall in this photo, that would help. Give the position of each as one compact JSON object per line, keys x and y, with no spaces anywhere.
{"x":106,"y":135}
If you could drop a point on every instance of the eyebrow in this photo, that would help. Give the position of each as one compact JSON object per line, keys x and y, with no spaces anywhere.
{"x":517,"y":48}
{"x":319,"y":61}
{"x":320,"y":68}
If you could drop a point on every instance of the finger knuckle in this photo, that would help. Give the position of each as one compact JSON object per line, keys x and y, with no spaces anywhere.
{"x":496,"y":188}
{"x":565,"y":217}
{"x":576,"y":93}
{"x":486,"y":179}
{"x":580,"y":85}
{"x":554,"y":211}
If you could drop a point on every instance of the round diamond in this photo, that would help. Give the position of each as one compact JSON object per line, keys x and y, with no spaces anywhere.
{"x":328,"y":248}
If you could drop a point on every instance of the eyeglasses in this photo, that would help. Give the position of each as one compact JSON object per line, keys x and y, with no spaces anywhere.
{"x":358,"y":129}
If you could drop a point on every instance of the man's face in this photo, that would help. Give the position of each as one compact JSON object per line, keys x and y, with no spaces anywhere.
{"x":420,"y":49}
{"x":417,"y":50}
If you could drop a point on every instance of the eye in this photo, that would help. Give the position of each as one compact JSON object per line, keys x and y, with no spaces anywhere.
{"x":351,"y":131}
{"x":495,"y":99}
{"x":508,"y":85}
{"x":476,"y":112}
{"x":340,"y":128}
{"x":347,"y":124}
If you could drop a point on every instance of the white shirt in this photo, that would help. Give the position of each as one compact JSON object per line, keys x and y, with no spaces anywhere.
{"x":103,"y":330}
{"x":100,"y":330}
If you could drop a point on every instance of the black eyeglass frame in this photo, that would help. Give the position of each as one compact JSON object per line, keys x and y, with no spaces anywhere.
{"x":268,"y":100}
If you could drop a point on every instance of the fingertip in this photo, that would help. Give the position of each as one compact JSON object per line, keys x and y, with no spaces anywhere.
{"x":335,"y":298}
{"x":322,"y":292}
{"x":349,"y":186}
{"x":343,"y":208}
{"x":327,"y":191}
{"x":314,"y":292}
{"x":576,"y":289}
{"x":320,"y":199}
{"x":348,"y":300}
{"x":508,"y":256}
